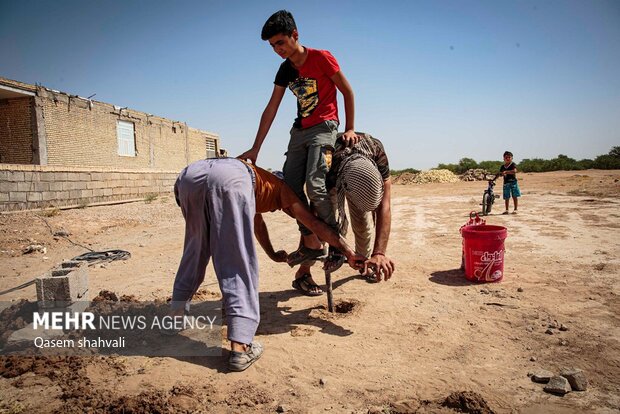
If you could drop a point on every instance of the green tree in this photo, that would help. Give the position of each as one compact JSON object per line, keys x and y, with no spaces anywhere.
{"x":492,"y":166}
{"x":452,"y":167}
{"x":467,"y":164}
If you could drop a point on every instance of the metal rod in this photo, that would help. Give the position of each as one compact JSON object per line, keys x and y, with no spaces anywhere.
{"x":330,"y":295}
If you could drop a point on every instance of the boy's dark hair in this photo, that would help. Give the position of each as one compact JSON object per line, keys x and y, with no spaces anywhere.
{"x":281,"y":22}
{"x":508,"y":153}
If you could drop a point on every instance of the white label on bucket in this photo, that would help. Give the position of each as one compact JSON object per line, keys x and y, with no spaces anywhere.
{"x":483,"y":270}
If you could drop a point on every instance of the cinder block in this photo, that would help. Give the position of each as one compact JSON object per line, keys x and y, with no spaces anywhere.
{"x":48,"y":176}
{"x":7,"y":186}
{"x":34,"y":196}
{"x":25,"y":186}
{"x":48,"y":195}
{"x":15,"y":196}
{"x":16,"y":176}
{"x":55,"y":186}
{"x":62,"y":286}
{"x":40,"y":186}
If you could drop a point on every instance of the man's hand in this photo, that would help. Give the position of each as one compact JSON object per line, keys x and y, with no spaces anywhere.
{"x":279,"y":256}
{"x":251,"y":155}
{"x":356,"y":261}
{"x":350,"y":138}
{"x":382,"y":265}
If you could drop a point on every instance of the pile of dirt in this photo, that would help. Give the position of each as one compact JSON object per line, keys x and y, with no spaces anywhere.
{"x":429,"y":176}
{"x":477,"y":174}
{"x":15,"y":317}
{"x":404,"y":178}
{"x":457,"y":402}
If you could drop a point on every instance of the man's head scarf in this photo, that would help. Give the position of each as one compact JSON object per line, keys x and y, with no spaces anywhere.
{"x":359,"y":181}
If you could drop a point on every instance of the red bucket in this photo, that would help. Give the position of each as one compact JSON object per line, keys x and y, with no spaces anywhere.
{"x":484,"y":252}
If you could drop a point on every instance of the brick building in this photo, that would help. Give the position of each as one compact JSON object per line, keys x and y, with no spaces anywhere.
{"x":47,"y":137}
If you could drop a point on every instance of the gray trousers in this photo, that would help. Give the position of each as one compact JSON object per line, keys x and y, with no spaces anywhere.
{"x":218,"y":203}
{"x":306,"y":166}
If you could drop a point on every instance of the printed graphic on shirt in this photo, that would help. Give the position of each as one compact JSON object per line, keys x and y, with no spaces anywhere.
{"x":307,"y":93}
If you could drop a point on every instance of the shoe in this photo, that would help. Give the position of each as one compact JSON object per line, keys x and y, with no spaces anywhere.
{"x":505,"y":212}
{"x":370,"y":277}
{"x":303,"y":254}
{"x":514,"y":211}
{"x":240,"y":361}
{"x":305,"y":285}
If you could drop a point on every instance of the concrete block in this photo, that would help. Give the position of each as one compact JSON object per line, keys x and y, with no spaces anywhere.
{"x":55,"y":186}
{"x":32,"y":176}
{"x":48,"y":176}
{"x":65,"y":285}
{"x":71,"y":264}
{"x":41,"y":186}
{"x":84,"y":176}
{"x":4,"y":197}
{"x":7,"y":186}
{"x":16,"y":176}
{"x":48,"y":195}
{"x":25,"y":186}
{"x":33,"y":196}
{"x":16,"y":196}
{"x":60,"y":176}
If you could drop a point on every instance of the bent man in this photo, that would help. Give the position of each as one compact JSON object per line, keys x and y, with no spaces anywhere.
{"x":359,"y":174}
{"x":220,"y":200}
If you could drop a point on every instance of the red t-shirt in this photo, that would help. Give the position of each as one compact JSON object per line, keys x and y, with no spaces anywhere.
{"x":311,"y":84}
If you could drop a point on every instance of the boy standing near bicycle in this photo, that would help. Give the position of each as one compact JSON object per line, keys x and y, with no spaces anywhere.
{"x":511,"y":186}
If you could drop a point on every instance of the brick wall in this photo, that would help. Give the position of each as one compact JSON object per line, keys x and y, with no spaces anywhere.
{"x":16,"y":132}
{"x":25,"y":187}
{"x":84,"y":133}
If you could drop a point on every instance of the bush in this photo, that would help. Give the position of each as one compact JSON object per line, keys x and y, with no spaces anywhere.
{"x":406,"y":170}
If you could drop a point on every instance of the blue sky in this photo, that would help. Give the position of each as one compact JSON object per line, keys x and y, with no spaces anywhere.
{"x":434,"y":80}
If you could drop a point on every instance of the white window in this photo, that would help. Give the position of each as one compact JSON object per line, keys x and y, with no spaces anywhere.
{"x":126,"y":138}
{"x":211,"y":148}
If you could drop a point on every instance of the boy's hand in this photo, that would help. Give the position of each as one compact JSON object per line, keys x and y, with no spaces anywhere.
{"x":279,"y":257}
{"x":350,"y":138}
{"x":251,"y":155}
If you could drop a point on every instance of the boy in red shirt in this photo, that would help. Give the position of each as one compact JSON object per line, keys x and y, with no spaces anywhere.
{"x":313,"y":76}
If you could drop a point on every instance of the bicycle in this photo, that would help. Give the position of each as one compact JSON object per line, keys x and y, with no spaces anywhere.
{"x":488,"y":198}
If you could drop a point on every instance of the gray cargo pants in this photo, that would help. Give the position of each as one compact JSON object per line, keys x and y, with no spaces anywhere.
{"x":306,"y":166}
{"x":218,"y":203}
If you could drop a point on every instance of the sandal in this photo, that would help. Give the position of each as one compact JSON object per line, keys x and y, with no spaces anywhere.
{"x":371,"y":277}
{"x":303,"y":254}
{"x":305,"y":286}
{"x":334,"y":261}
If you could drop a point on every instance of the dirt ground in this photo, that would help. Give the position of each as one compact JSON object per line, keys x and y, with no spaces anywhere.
{"x":427,"y":341}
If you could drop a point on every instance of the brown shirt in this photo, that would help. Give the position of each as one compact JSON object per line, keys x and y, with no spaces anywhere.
{"x":378,"y":155}
{"x":271,"y":192}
